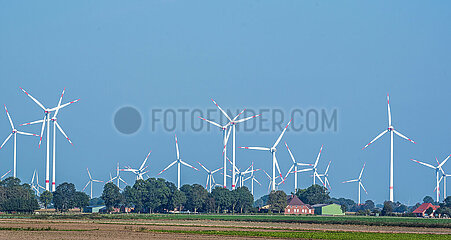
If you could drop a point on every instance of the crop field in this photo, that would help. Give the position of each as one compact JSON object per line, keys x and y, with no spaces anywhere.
{"x":131,"y":226}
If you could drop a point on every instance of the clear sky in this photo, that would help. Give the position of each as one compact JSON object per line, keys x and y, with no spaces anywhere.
{"x":344,"y":55}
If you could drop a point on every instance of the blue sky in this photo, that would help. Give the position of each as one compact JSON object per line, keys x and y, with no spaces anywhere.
{"x":285,"y":55}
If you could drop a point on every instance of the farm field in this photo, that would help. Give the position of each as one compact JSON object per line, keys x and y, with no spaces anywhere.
{"x":205,"y":227}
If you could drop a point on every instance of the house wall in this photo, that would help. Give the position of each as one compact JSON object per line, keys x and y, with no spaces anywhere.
{"x":298,"y":210}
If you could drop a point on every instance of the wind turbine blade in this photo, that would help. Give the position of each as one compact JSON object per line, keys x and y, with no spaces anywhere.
{"x":42,"y":130}
{"x":223,"y":112}
{"x":441,"y":164}
{"x":9,"y":118}
{"x":281,"y":135}
{"x":59,"y":103}
{"x":278,"y":169}
{"x":6,"y":140}
{"x":303,"y":170}
{"x":64,"y":134}
{"x":354,"y":180}
{"x":96,"y":180}
{"x":327,"y":169}
{"x":186,"y":164}
{"x":291,"y":155}
{"x":257,"y":148}
{"x":27,"y":134}
{"x":64,"y":105}
{"x":289,"y":171}
{"x":319,"y":155}
{"x":170,"y":165}
{"x":86,"y":185}
{"x":316,"y":174}
{"x":238,"y":115}
{"x":31,"y":123}
{"x":399,"y":134}
{"x":5,"y":174}
{"x":217,"y":170}
{"x":254,"y":179}
{"x":363,"y":188}
{"x":32,"y":179}
{"x":248,"y":118}
{"x":389,"y":112}
{"x":211,"y":122}
{"x":145,"y":160}
{"x":32,"y":98}
{"x":267,"y":174}
{"x":208,"y":171}
{"x":378,"y":136}
{"x":89,"y":174}
{"x":177,"y":147}
{"x":361,"y":172}
{"x":328,"y":183}
{"x":123,"y":180}
{"x":422,"y":163}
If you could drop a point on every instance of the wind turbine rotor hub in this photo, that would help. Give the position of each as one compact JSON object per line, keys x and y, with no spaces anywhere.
{"x":390,"y":128}
{"x":273,"y":150}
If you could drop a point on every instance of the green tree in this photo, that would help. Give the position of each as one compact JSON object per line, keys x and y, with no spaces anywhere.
{"x":16,"y":197}
{"x":447,"y":201}
{"x":244,"y":199}
{"x":222,"y":197}
{"x":81,"y":200}
{"x":277,"y":201}
{"x":314,"y":194}
{"x":429,"y":211}
{"x":428,"y":199}
{"x":178,"y":199}
{"x":196,"y":197}
{"x":112,"y":196}
{"x":63,"y":197}
{"x":46,"y":198}
{"x":388,"y":208}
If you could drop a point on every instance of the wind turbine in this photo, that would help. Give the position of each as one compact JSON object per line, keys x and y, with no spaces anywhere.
{"x":326,"y":176}
{"x":36,"y":186}
{"x":295,"y":166}
{"x":139,"y":172}
{"x":44,"y":121}
{"x":273,"y":151}
{"x":444,"y":176}
{"x":14,"y":133}
{"x":232,"y":122}
{"x":117,"y":177}
{"x":252,"y":178}
{"x":359,"y":180}
{"x":242,"y":174}
{"x":314,"y":168}
{"x":437,"y":169}
{"x":4,"y":175}
{"x":210,"y":179}
{"x":271,"y":181}
{"x":91,"y":180}
{"x":392,"y":130}
{"x":179,"y":161}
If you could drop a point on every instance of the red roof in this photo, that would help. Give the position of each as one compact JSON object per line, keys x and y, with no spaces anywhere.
{"x":293,"y":200}
{"x":423,"y":207}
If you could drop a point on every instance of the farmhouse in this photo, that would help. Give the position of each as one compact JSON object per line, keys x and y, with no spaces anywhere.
{"x":421,"y":210}
{"x":328,"y":209}
{"x":296,"y":206}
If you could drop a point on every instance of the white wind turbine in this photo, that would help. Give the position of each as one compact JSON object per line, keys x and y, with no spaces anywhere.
{"x":179,"y":162}
{"x":314,"y":168}
{"x":232,"y":124}
{"x":359,"y":180}
{"x":271,"y":181}
{"x":210,"y":178}
{"x":14,"y":134}
{"x":242,"y":174}
{"x":91,"y":180}
{"x":140,"y":171}
{"x":117,"y":177}
{"x":252,"y":178}
{"x":4,"y":175}
{"x":326,"y":176}
{"x":46,"y":121}
{"x":295,"y":166}
{"x":437,"y":169}
{"x":392,"y":130}
{"x":35,"y":185}
{"x":444,"y":176}
{"x":273,"y":151}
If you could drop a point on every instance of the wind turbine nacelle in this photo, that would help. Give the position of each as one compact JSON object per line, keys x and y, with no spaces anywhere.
{"x":273,"y":150}
{"x":390,"y":128}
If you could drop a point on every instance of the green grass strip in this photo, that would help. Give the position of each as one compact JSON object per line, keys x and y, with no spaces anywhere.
{"x":310,"y":235}
{"x":44,"y":229}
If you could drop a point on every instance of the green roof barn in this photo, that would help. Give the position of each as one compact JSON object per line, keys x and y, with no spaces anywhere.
{"x":328,"y":209}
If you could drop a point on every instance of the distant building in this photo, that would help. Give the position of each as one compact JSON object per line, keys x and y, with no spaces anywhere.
{"x":93,"y":209}
{"x":420,"y":211}
{"x":296,"y":206}
{"x":328,"y":209}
